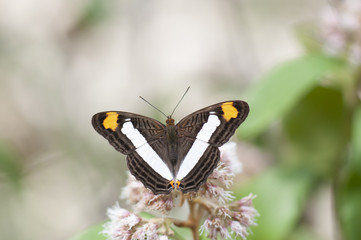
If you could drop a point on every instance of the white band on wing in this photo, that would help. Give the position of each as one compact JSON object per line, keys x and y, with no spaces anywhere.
{"x":145,"y":151}
{"x":199,"y":146}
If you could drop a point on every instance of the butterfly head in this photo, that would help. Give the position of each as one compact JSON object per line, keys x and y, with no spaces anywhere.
{"x":169,"y":121}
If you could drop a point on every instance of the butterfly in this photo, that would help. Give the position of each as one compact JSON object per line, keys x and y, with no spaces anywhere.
{"x":173,"y":156}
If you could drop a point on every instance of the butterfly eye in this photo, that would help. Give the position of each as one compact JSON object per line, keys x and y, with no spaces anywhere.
{"x":169,"y":121}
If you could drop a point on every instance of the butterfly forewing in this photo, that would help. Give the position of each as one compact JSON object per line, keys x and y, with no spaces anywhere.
{"x":230,"y":114}
{"x":113,"y":126}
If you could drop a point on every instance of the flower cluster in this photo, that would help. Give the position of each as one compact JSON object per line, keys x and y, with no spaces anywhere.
{"x":341,"y":30}
{"x":125,"y":225}
{"x":211,"y":205}
{"x":238,"y":216}
{"x":143,"y":199}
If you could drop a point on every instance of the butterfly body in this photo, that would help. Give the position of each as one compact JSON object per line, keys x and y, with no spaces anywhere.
{"x":172,"y":145}
{"x":172,"y":156}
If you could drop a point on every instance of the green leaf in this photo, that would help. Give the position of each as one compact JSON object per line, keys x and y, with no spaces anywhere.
{"x":317,"y":132}
{"x":349,"y":205}
{"x":92,"y":233}
{"x":281,"y":195}
{"x":356,"y":138}
{"x":146,"y":215}
{"x":349,"y":190}
{"x":181,"y":233}
{"x":280,"y":89}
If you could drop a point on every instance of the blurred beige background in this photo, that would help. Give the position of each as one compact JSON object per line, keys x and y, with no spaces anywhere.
{"x":63,"y":61}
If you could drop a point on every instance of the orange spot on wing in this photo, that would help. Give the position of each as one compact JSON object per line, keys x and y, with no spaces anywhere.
{"x":110,"y":122}
{"x":172,"y":183}
{"x":175,"y":185}
{"x":229,"y":111}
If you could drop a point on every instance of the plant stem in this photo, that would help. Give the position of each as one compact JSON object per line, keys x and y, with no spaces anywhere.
{"x":193,"y":220}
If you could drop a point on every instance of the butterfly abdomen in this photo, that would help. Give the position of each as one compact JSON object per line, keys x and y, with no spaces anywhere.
{"x":172,"y":147}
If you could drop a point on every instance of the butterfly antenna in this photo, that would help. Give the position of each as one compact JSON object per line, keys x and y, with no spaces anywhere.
{"x":179,"y":102}
{"x":153,"y":106}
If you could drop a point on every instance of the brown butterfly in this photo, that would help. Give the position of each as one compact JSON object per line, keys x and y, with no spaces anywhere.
{"x":172,"y":156}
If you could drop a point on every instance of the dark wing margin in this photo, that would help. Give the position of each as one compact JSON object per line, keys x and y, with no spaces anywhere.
{"x":109,"y":125}
{"x":230,"y":113}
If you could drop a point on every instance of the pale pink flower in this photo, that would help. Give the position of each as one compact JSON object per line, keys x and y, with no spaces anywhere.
{"x":223,"y":212}
{"x":213,"y":226}
{"x":147,"y":231}
{"x":238,"y":229}
{"x":244,"y":212}
{"x":341,"y":30}
{"x":221,"y":176}
{"x":121,"y":223}
{"x":230,"y":158}
{"x":161,"y":203}
{"x":143,"y":199}
{"x":215,"y":193}
{"x":238,"y":216}
{"x":124,"y":225}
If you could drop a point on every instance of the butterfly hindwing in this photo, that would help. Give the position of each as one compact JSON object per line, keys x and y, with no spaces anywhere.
{"x":150,"y":179}
{"x":200,"y":172}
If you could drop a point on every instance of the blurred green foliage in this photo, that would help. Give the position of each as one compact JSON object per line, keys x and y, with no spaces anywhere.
{"x":348,"y":195}
{"x":282,"y":88}
{"x":320,"y":119}
{"x":281,"y":195}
